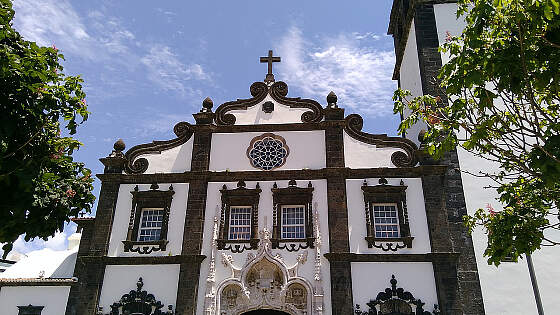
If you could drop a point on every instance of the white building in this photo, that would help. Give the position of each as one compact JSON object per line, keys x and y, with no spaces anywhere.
{"x":419,"y":28}
{"x":269,"y":205}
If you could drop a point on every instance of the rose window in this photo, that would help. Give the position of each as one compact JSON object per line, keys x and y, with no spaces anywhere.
{"x":268,"y":151}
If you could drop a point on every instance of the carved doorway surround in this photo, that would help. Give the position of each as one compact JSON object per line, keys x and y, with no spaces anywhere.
{"x":265,"y":312}
{"x":265,"y":285}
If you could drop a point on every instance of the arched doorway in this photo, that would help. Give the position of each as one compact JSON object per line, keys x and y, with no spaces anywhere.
{"x":265,"y":312}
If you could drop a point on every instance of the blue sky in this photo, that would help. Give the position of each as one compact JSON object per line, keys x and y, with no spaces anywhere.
{"x":149,"y":64}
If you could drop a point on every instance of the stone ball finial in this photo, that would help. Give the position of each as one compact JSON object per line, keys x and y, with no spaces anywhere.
{"x":119,"y":145}
{"x":207,"y":104}
{"x":332,"y":99}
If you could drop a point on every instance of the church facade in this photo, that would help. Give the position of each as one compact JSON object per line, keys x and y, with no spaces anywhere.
{"x":272,"y":205}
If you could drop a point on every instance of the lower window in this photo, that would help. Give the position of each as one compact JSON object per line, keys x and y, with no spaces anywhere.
{"x":293,"y":222}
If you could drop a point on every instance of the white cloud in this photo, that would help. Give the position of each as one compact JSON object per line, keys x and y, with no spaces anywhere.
{"x":56,"y":22}
{"x":349,"y":65}
{"x":169,"y":73}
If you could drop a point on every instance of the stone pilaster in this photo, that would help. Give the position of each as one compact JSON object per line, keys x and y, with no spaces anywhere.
{"x":189,"y":274}
{"x":341,"y":271}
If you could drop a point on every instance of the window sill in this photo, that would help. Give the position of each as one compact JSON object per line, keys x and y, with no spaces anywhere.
{"x":237,"y":246}
{"x":145,"y":247}
{"x":389,"y":243}
{"x":293,"y":245}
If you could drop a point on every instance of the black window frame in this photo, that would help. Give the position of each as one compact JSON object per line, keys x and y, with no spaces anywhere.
{"x":153,"y":198}
{"x":30,"y":310}
{"x":238,"y":197}
{"x":292,"y":196}
{"x":386,"y":194}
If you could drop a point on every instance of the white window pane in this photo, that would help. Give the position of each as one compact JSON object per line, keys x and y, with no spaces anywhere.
{"x":293,"y":222}
{"x":386,"y":220}
{"x":240,"y":223}
{"x":150,"y":224}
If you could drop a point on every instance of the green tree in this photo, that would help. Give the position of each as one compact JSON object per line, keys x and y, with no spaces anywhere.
{"x":502,"y":84}
{"x":41,"y":186}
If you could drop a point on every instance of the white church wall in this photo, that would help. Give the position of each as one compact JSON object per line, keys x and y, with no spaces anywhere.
{"x":175,"y":160}
{"x":254,"y":115}
{"x":509,"y":284}
{"x":410,"y":79}
{"x":223,"y":272}
{"x":159,"y":280}
{"x":416,"y":278}
{"x":229,"y":150}
{"x":358,"y":154}
{"x":416,"y":214}
{"x":53,"y":298}
{"x":176,"y":219}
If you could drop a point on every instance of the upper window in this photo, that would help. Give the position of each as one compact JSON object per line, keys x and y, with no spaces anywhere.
{"x":268,"y":151}
{"x":386,"y":214}
{"x":147,"y":228}
{"x":150,"y":226}
{"x":292,"y":217}
{"x":239,"y":217}
{"x":386,"y":220}
{"x":240,"y":223}
{"x":293,"y":222}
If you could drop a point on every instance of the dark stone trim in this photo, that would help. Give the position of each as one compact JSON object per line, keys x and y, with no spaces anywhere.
{"x":240,"y":196}
{"x":353,"y":128}
{"x":278,"y":92}
{"x":306,"y":174}
{"x":449,"y":258}
{"x":138,"y":301}
{"x":189,"y":273}
{"x":184,"y":132}
{"x":144,"y":260}
{"x":46,"y":282}
{"x":258,"y":90}
{"x":30,"y":310}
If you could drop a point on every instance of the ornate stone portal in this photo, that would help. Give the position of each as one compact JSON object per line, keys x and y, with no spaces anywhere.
{"x":263,"y":282}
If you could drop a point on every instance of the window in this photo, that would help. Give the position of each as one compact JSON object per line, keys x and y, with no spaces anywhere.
{"x":239,"y":217}
{"x":240,"y":223}
{"x":293,"y":222}
{"x":30,"y":310}
{"x":292,"y":217}
{"x":150,"y":226}
{"x":268,"y":151}
{"x":386,"y":215}
{"x":149,"y":217}
{"x":386,"y":220}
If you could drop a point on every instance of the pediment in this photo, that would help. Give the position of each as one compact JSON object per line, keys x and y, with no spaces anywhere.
{"x":269,"y":104}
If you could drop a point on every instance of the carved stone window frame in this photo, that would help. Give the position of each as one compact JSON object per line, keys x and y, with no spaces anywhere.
{"x":153,"y":198}
{"x":289,"y":196}
{"x":30,"y":310}
{"x":383,"y":194}
{"x":240,"y":196}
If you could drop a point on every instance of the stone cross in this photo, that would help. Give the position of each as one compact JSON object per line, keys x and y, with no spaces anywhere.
{"x":269,"y":59}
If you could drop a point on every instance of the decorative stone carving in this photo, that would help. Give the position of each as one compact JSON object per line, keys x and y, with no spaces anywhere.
{"x":139,"y":302}
{"x":395,"y":301}
{"x":268,"y":151}
{"x":264,"y":282}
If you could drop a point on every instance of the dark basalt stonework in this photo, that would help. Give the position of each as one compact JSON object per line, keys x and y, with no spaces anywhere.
{"x":457,"y":283}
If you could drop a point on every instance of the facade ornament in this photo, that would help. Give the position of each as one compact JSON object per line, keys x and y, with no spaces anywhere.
{"x":139,"y":302}
{"x":210,"y":296}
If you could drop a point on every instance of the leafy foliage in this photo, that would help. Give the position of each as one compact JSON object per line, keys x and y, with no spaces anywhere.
{"x":41,"y":185}
{"x":502,"y":81}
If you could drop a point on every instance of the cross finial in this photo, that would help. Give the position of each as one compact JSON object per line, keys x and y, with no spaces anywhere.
{"x":269,"y":59}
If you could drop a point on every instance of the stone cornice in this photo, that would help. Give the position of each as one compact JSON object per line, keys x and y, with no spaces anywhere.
{"x":305,"y":174}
